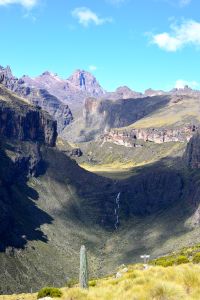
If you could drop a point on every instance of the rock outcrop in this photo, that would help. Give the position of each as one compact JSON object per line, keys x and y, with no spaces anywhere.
{"x":21,"y":121}
{"x":24,"y":129}
{"x":123,"y":92}
{"x":71,"y":91}
{"x":76,"y":152}
{"x":152,"y":93}
{"x":192,"y":153}
{"x":38,"y":97}
{"x":156,"y":135}
{"x":85,"y":81}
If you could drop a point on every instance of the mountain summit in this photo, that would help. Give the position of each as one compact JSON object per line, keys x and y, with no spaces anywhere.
{"x":71,"y":91}
{"x":85,"y":81}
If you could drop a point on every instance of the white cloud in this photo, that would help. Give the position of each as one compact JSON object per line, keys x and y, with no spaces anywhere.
{"x":25,"y":3}
{"x":86,"y":16}
{"x":184,"y":2}
{"x":92,"y":68}
{"x":187,"y":33}
{"x":180,"y":84}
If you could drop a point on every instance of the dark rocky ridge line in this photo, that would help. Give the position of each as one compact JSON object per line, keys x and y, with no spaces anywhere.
{"x":54,"y":95}
{"x":21,"y":121}
{"x":38,"y":97}
{"x":24,"y":129}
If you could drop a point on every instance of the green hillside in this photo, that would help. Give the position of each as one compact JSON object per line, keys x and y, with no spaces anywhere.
{"x":178,"y":112}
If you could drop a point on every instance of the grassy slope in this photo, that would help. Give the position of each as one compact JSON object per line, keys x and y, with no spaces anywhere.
{"x":155,"y":283}
{"x":7,"y":96}
{"x":108,"y":158}
{"x":173,"y":114}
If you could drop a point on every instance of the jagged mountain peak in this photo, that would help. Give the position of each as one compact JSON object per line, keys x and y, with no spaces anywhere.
{"x":6,"y":71}
{"x":48,"y":73}
{"x":123,"y":92}
{"x":87,"y":82}
{"x":123,"y":88}
{"x":151,"y":93}
{"x":72,"y":91}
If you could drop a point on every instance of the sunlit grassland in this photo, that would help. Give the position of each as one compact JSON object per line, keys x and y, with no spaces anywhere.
{"x":116,"y":158}
{"x":177,"y":113}
{"x":155,"y":283}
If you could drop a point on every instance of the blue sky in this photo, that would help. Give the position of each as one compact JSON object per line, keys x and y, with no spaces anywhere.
{"x":139,"y":43}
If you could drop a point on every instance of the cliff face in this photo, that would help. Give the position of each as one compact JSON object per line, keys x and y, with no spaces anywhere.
{"x":192,"y":153}
{"x":24,"y":129}
{"x":84,"y":81}
{"x":60,"y":112}
{"x":123,"y":92}
{"x":23,"y":122}
{"x":27,"y":128}
{"x":156,"y":135}
{"x":105,"y":114}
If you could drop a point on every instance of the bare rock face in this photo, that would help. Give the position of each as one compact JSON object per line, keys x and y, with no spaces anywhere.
{"x":84,"y":81}
{"x":24,"y":129}
{"x":103,"y":115}
{"x":185,"y":91}
{"x":152,"y":93}
{"x":76,"y":152}
{"x":123,"y":92}
{"x":41,"y":98}
{"x":156,"y":135}
{"x":153,"y":190}
{"x":38,"y":97}
{"x":23,"y":122}
{"x":71,"y":91}
{"x":192,"y":153}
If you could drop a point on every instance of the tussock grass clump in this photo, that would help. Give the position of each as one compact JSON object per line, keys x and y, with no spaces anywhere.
{"x":191,"y":277}
{"x":71,"y":282}
{"x":49,"y":292}
{"x":92,"y":283}
{"x":182,"y":259}
{"x":196,"y":258}
{"x":167,"y":290}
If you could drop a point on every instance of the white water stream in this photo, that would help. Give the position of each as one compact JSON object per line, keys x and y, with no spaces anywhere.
{"x":117,"y":208}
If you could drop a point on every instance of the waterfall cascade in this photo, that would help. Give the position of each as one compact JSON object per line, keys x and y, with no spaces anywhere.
{"x":117,"y":208}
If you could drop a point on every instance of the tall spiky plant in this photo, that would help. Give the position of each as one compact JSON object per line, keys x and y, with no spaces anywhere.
{"x":83,"y":276}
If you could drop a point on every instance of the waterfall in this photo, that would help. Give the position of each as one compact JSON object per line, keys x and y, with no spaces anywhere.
{"x":117,"y":208}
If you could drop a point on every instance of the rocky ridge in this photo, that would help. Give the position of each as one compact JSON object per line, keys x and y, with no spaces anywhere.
{"x":38,"y":97}
{"x":156,"y":135}
{"x":54,"y":94}
{"x":23,"y":122}
{"x":192,"y":153}
{"x":72,"y":91}
{"x":123,"y":92}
